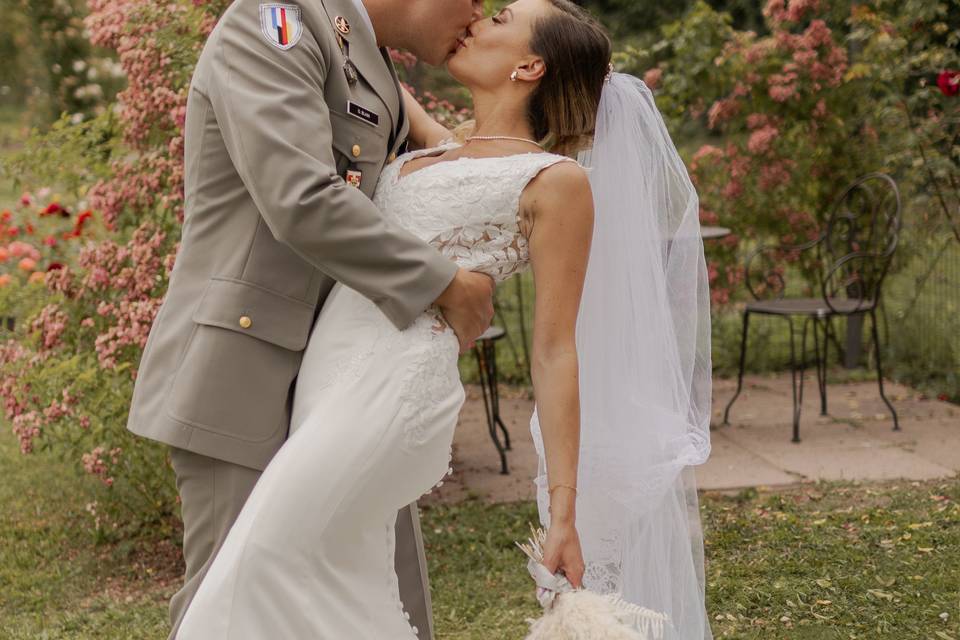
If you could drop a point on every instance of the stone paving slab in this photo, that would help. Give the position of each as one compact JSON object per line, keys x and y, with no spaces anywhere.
{"x":854,"y":442}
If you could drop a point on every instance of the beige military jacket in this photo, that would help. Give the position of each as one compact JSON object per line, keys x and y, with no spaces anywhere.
{"x":288,"y":102}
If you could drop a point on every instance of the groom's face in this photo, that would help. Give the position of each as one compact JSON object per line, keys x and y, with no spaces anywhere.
{"x":439,"y":26}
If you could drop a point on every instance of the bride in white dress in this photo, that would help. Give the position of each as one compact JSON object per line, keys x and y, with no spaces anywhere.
{"x":312,"y":552}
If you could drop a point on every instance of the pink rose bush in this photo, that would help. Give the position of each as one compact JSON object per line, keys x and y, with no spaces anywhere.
{"x":787,"y":118}
{"x":102,"y":256}
{"x":783,"y":121}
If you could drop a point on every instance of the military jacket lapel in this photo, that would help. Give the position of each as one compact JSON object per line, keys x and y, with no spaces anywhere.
{"x":366,"y":56}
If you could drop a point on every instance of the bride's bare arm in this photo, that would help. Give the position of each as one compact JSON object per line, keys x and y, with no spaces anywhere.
{"x":558,"y":211}
{"x":425,"y":132}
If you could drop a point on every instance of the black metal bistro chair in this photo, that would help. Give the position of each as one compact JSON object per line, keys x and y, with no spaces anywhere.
{"x":486,"y":351}
{"x":854,"y":252}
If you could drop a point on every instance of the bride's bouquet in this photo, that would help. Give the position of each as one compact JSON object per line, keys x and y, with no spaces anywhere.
{"x":581,"y":614}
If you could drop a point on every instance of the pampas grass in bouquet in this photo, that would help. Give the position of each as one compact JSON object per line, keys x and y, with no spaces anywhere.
{"x":581,"y":614}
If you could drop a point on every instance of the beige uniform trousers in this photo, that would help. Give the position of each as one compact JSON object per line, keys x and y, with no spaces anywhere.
{"x":212,"y":493}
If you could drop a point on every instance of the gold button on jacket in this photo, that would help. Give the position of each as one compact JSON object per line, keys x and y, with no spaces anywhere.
{"x":246,"y":322}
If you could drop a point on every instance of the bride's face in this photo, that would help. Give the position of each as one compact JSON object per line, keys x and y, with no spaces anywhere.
{"x":497,"y":46}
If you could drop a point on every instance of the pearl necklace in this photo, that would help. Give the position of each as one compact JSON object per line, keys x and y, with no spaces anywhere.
{"x":534,"y":142}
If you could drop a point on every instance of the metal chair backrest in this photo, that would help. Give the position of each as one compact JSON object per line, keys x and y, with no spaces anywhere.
{"x":861,"y":236}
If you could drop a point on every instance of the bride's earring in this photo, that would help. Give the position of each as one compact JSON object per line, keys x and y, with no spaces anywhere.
{"x":513,"y":76}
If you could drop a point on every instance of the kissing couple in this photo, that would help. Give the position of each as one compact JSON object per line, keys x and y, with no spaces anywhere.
{"x":339,"y":251}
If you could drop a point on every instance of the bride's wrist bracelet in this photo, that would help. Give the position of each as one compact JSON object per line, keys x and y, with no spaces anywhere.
{"x":557,"y":486}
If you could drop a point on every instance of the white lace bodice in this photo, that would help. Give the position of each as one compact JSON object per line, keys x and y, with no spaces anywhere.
{"x":468,"y":208}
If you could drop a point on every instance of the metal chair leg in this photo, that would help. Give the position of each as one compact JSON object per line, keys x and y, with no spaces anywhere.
{"x":743,"y":360}
{"x":876,"y":348}
{"x":821,"y":361}
{"x":488,"y":383}
{"x":795,"y":379}
{"x":495,"y":395}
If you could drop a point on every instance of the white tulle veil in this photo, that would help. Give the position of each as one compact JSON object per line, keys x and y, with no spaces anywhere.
{"x":643,"y":339}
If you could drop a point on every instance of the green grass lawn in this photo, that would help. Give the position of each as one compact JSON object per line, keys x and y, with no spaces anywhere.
{"x":830,"y":561}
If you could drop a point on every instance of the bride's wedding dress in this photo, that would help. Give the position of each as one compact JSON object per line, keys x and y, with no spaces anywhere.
{"x":375,"y":408}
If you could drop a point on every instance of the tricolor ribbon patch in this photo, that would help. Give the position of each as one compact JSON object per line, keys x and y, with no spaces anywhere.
{"x":281,"y":24}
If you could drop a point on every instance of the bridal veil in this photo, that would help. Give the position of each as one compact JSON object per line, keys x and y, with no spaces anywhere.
{"x":643,"y":340}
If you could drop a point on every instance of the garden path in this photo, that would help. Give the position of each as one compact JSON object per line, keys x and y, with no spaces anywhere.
{"x":855,"y":442}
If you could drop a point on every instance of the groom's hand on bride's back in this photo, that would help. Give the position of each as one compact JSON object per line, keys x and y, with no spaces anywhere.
{"x":467,"y":306}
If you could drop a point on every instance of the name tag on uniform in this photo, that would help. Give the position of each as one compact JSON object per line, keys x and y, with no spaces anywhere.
{"x":362,"y":113}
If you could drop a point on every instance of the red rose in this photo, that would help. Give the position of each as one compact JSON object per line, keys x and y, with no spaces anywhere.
{"x":949,"y":83}
{"x":7,"y":214}
{"x":29,"y":228}
{"x":54,"y":266}
{"x":51,"y":209}
{"x":50,"y":241}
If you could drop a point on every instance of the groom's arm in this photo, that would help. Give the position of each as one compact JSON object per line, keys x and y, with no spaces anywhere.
{"x":272,"y":113}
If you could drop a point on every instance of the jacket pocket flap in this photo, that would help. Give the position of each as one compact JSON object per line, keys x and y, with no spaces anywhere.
{"x":261,"y":313}
{"x":349,"y":132}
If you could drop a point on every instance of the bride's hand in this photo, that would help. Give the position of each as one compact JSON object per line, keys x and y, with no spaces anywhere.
{"x":562,"y":551}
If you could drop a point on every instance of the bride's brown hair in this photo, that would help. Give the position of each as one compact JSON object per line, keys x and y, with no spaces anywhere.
{"x":576,"y":52}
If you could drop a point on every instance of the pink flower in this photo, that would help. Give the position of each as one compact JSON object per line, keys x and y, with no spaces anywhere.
{"x":732,"y":190}
{"x":757,"y":120}
{"x":707,"y":151}
{"x":783,"y":93}
{"x":722,"y":111}
{"x":762,"y":139}
{"x":820,"y":111}
{"x":653,"y":78}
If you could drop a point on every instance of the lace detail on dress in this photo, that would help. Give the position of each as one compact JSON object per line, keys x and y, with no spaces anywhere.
{"x":430,"y":374}
{"x":468,"y":208}
{"x":496,"y":250}
{"x":349,"y":369}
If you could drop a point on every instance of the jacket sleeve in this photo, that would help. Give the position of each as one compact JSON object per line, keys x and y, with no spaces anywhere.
{"x":272,"y":112}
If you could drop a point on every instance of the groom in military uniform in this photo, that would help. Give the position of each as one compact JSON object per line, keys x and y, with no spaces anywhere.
{"x":293,"y":111}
